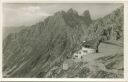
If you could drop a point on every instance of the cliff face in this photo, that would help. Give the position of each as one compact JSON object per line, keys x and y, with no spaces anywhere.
{"x":86,"y":16}
{"x":37,"y":49}
{"x":110,"y":26}
{"x":41,"y":44}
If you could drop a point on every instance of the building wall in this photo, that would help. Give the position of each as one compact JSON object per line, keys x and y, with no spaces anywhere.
{"x":83,"y":52}
{"x":89,"y":50}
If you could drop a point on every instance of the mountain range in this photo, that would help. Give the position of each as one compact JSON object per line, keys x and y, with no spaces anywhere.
{"x":36,"y":50}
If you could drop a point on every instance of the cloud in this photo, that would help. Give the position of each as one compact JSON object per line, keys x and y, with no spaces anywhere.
{"x":34,"y":10}
{"x":31,"y":8}
{"x":28,"y":14}
{"x":23,"y":16}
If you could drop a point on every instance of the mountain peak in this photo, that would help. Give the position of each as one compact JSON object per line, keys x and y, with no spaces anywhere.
{"x":72,"y":11}
{"x":60,"y":12}
{"x":87,"y":17}
{"x":86,"y":13}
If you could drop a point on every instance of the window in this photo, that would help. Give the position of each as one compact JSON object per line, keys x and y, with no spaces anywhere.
{"x":81,"y":57}
{"x":76,"y":56}
{"x":87,"y":46}
{"x":85,"y":51}
{"x":79,"y":52}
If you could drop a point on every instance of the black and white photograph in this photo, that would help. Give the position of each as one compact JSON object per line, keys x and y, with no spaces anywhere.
{"x":63,"y":40}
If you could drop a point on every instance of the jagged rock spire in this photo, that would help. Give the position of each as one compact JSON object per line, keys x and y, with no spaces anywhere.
{"x":72,"y":11}
{"x":86,"y":16}
{"x":60,"y":12}
{"x":86,"y":13}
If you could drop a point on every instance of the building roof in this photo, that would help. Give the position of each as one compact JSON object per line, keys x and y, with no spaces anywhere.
{"x":90,"y":44}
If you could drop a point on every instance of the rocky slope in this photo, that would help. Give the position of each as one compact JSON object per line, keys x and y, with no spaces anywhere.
{"x":110,"y":26}
{"x":9,"y":30}
{"x":41,"y":49}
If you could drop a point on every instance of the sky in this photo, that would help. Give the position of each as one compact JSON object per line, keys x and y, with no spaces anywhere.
{"x":18,"y":14}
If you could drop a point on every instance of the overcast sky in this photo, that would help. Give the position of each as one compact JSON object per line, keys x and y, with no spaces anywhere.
{"x":17,"y":14}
